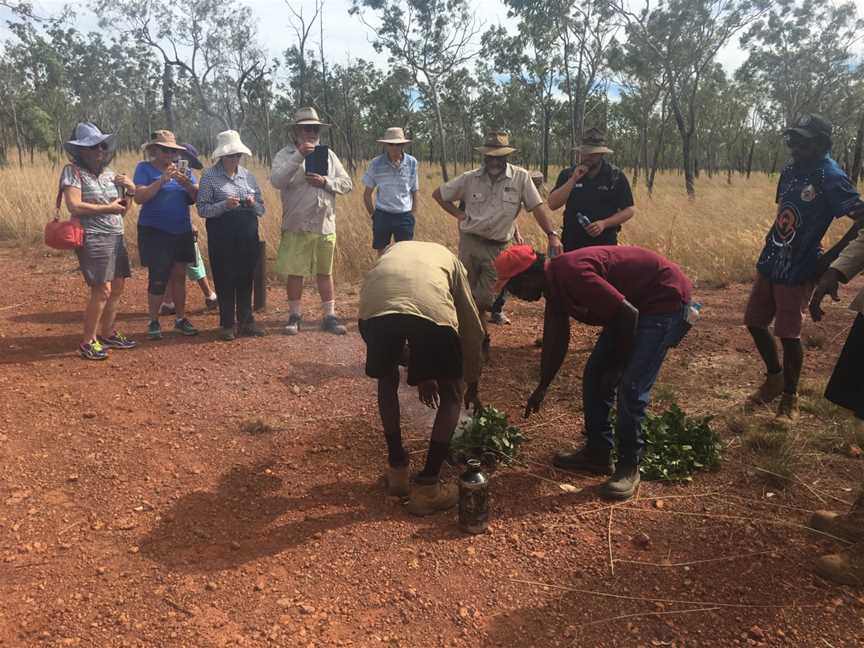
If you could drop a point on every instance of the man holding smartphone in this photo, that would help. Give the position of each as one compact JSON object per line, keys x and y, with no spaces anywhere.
{"x":308,"y":177}
{"x":596,"y":189}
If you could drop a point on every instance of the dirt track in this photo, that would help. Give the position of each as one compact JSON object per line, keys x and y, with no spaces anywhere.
{"x":136,"y":513}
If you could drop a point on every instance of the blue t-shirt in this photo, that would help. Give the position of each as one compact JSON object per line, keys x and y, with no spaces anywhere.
{"x":395,"y":183}
{"x":168,"y":210}
{"x":808,"y":200}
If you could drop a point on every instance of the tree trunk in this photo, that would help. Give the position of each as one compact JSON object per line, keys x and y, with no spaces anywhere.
{"x":855,"y":172}
{"x":168,"y":97}
{"x":658,"y":153}
{"x":750,"y":157}
{"x":439,"y":122}
{"x":547,"y":127}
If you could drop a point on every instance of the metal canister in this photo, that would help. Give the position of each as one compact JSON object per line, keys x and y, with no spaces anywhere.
{"x":473,"y":499}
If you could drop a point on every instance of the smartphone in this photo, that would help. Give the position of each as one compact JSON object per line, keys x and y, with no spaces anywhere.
{"x":318,"y":160}
{"x":183,"y":166}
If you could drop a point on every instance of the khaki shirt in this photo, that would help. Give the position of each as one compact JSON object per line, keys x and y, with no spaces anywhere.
{"x":428,"y":281}
{"x":850,"y":263}
{"x":306,"y":208}
{"x":491,"y":207}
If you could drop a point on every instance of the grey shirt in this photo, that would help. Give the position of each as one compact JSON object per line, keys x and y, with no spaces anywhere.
{"x":98,"y":191}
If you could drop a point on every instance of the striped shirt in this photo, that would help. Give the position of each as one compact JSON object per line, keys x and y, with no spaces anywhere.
{"x":96,"y":190}
{"x":395,"y":183}
{"x":217,"y":186}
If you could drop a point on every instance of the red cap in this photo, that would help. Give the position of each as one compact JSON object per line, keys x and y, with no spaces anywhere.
{"x":513,"y":261}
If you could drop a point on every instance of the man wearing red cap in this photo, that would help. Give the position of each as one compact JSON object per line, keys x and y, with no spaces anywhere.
{"x":642,"y":301}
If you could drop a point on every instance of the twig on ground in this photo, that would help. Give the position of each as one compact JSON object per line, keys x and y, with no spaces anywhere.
{"x":3,"y":308}
{"x":641,"y":614}
{"x":817,"y":494}
{"x":754,"y":501}
{"x":693,"y":562}
{"x":547,"y":422}
{"x":576,"y":590}
{"x":177,"y":606}
{"x":33,"y":564}
{"x":68,"y":528}
{"x":609,"y":540}
{"x":648,"y":499}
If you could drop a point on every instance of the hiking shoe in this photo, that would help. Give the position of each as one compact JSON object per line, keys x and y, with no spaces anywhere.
{"x":116,"y":341}
{"x":770,"y":389}
{"x":92,"y":351}
{"x":211,"y":304}
{"x":592,"y":460}
{"x":167,"y":309}
{"x":154,"y":330}
{"x":226,"y":333}
{"x":845,"y":567}
{"x":251,"y":329}
{"x":331,"y":324}
{"x":293,"y":326}
{"x":849,"y":526}
{"x":185,"y":327}
{"x":787,"y":411}
{"x":426,"y":499}
{"x":397,"y":480}
{"x":623,"y":482}
{"x":499,"y":318}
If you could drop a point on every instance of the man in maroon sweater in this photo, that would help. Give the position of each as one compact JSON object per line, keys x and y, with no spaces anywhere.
{"x":641,"y":300}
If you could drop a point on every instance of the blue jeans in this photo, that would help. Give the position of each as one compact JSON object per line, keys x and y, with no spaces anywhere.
{"x":654,"y":335}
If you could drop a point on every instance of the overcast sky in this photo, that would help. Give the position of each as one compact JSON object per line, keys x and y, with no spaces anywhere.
{"x":346,"y":37}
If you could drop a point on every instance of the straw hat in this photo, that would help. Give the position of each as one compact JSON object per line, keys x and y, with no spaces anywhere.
{"x":163,"y":139}
{"x":496,"y":144}
{"x":307,"y":117}
{"x":594,"y":141}
{"x":394,"y":135}
{"x":229,"y":143}
{"x":86,"y":135}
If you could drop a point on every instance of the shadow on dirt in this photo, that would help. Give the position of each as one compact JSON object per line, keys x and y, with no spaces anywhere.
{"x":69,"y":317}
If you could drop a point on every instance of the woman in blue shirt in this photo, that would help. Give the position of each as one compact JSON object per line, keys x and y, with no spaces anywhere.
{"x":165,"y":239}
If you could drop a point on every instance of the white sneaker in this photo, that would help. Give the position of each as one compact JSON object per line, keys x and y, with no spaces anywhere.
{"x":293,"y":326}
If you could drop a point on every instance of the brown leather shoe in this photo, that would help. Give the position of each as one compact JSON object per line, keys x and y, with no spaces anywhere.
{"x":398,"y":480}
{"x":426,"y":499}
{"x":849,"y":526}
{"x":787,"y":411}
{"x":845,"y":567}
{"x":769,"y":390}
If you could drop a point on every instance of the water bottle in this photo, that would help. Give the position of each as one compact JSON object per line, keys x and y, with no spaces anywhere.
{"x":694,"y":312}
{"x":473,"y":499}
{"x":583,"y":220}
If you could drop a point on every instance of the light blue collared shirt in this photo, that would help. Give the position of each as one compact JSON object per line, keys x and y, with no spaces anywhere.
{"x":395,"y":182}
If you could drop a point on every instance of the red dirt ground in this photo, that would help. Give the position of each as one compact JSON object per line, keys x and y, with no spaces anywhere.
{"x":135,"y":512}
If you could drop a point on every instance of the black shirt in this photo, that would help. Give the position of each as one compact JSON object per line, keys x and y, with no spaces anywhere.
{"x":597,"y":198}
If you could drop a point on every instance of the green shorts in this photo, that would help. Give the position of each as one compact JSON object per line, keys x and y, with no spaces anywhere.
{"x":303,"y":254}
{"x":478,"y":255}
{"x":196,"y":271}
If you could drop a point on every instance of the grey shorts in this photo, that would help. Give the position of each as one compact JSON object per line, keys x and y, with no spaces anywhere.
{"x":103,"y":258}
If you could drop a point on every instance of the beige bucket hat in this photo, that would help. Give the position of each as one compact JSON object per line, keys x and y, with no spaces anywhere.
{"x":593,"y":141}
{"x":394,"y":135}
{"x":307,"y":117}
{"x":163,"y":138}
{"x":496,"y":144}
{"x":229,"y":143}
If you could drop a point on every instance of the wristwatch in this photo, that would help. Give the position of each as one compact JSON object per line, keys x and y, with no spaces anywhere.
{"x":551,"y":233}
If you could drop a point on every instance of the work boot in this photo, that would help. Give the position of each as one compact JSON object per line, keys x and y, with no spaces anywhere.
{"x":845,"y":567}
{"x":623,"y":483}
{"x":397,"y":480}
{"x":592,"y":460}
{"x":787,"y":411}
{"x":849,"y":526}
{"x":426,"y":499}
{"x":769,"y":390}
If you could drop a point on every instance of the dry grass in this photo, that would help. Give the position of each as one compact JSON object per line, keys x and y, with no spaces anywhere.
{"x":716,"y":237}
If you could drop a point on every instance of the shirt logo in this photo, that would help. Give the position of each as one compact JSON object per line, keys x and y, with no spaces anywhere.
{"x":808,"y":193}
{"x":786,"y":226}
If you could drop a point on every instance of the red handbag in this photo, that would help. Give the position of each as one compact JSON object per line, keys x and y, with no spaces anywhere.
{"x":60,"y":234}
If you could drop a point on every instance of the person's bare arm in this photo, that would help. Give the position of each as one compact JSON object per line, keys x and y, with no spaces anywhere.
{"x":414,"y":203}
{"x":560,"y":195}
{"x":449,"y":207}
{"x":598,"y":227}
{"x":78,"y":208}
{"x":541,"y":215}
{"x":367,"y":199}
{"x":556,"y":338}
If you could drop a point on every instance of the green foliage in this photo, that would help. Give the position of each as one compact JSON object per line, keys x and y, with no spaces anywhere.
{"x":489,"y":432}
{"x":676,"y":446}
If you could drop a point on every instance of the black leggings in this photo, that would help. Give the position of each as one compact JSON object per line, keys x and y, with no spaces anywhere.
{"x":232,"y":242}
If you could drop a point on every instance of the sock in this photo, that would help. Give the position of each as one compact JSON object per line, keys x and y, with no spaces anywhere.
{"x":167,"y":304}
{"x":294,"y":307}
{"x":329,"y":308}
{"x":396,"y":455}
{"x":434,"y":459}
{"x":212,"y":296}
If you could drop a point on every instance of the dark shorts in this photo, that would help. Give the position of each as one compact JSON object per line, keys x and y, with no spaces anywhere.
{"x":782,"y":303}
{"x":387,"y":226}
{"x":159,"y":252}
{"x":435,"y":351}
{"x":846,"y":386}
{"x":103,"y":258}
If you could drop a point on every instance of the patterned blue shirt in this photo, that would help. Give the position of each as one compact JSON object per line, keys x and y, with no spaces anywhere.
{"x":217,"y":186}
{"x":808,"y":200}
{"x":395,"y":182}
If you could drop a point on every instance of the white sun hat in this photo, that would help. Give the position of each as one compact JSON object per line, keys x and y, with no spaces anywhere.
{"x":229,"y":143}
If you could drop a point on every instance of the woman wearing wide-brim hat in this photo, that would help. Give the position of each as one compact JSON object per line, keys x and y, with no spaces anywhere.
{"x":92,"y":193}
{"x":392,"y":176}
{"x":230,"y":202}
{"x":165,"y":239}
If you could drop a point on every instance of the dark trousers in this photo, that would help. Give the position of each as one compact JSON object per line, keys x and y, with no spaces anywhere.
{"x":232,"y":242}
{"x":846,"y":386}
{"x":498,"y":306}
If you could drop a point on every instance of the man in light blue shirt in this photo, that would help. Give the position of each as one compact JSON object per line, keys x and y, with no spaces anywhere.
{"x":394,"y":175}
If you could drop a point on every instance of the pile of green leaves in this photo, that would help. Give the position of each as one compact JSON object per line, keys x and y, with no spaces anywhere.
{"x":676,"y":446}
{"x":488,"y":434}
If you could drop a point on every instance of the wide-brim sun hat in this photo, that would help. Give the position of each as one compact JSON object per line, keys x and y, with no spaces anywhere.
{"x":593,"y":141}
{"x":191,"y":154}
{"x":511,"y":262}
{"x":229,"y":143}
{"x":307,"y":117}
{"x":163,"y":139}
{"x":496,"y":144}
{"x":394,"y":135}
{"x":87,"y":134}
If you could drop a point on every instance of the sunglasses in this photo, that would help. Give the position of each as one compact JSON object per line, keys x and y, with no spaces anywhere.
{"x":234,"y":156}
{"x":311,"y":129}
{"x":97,"y":147}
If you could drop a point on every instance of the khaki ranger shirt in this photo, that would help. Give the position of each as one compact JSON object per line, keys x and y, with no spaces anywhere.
{"x":428,"y":281}
{"x":850,"y":263}
{"x":491,"y":207}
